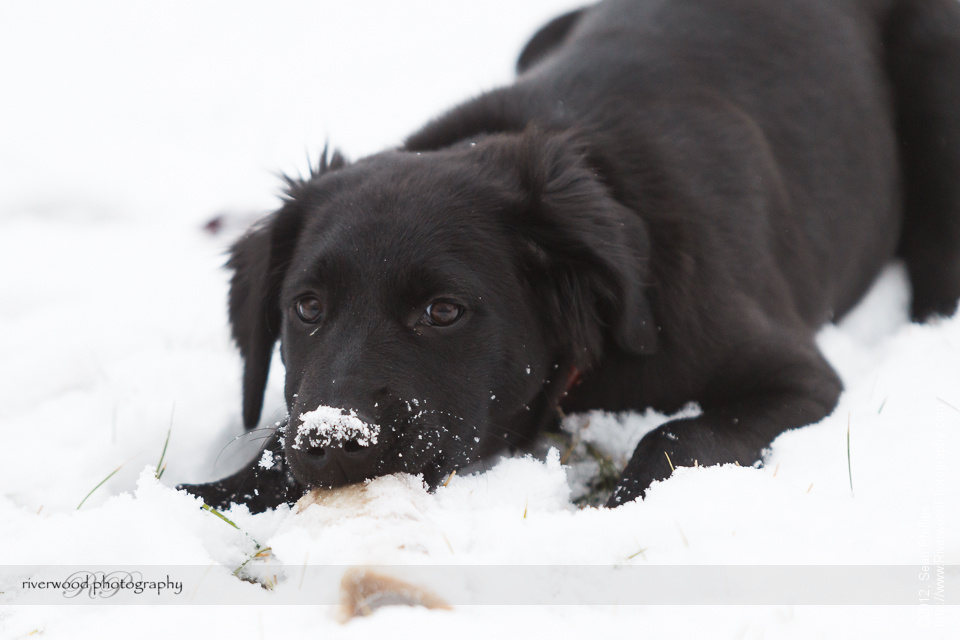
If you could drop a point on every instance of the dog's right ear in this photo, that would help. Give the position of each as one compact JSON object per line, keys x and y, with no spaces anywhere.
{"x":259,"y":262}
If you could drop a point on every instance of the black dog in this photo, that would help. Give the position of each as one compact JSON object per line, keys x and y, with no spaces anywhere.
{"x":663,"y":207}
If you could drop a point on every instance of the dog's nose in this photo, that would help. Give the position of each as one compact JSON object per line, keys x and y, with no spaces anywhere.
{"x":339,"y":463}
{"x":334,"y":446}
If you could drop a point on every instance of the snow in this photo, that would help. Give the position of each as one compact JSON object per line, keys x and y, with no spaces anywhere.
{"x":126,"y":127}
{"x":324,"y":425}
{"x":266,"y":460}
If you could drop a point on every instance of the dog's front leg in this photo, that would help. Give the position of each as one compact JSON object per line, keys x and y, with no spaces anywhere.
{"x":263,"y":483}
{"x":777,"y":395}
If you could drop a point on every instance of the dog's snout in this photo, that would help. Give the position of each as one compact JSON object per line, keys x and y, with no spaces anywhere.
{"x":349,"y":447}
{"x":338,"y":463}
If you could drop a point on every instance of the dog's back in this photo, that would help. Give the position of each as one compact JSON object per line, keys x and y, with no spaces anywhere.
{"x":819,"y":87}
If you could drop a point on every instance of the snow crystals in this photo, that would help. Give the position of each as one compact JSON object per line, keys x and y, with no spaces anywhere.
{"x":323,"y":426}
{"x":266,"y":460}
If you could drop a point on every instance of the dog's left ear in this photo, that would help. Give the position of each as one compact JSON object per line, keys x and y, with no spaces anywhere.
{"x":587,"y":253}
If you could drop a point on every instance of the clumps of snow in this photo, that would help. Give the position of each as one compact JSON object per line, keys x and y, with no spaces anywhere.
{"x":266,"y":460}
{"x":323,"y":426}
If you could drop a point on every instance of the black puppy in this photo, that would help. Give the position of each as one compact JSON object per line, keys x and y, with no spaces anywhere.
{"x":663,"y":207}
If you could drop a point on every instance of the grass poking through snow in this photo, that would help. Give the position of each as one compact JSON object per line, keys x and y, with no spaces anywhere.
{"x":99,"y":484}
{"x":160,"y":466}
{"x":259,"y":553}
{"x":217,"y":513}
{"x":102,"y":482}
{"x":157,"y":474}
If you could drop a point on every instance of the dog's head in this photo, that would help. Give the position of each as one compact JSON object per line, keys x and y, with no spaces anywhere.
{"x":441,"y":300}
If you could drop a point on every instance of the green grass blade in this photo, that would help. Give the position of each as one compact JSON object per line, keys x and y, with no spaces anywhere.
{"x":230,"y":522}
{"x":163,"y":454}
{"x":100,"y":484}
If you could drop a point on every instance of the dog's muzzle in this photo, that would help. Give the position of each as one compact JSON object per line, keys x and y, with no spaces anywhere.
{"x":331,"y":447}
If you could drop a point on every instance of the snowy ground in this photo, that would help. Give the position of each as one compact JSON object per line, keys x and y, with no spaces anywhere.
{"x":126,"y":126}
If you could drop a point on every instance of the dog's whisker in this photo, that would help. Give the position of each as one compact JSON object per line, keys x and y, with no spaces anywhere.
{"x":262,"y":434}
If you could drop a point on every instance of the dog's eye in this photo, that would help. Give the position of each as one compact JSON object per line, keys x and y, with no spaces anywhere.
{"x":442,"y":313}
{"x":309,"y":309}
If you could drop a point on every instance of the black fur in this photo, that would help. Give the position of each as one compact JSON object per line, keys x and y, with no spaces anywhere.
{"x":668,"y":202}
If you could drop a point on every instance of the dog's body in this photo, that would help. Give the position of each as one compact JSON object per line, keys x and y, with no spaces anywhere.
{"x":663,"y":208}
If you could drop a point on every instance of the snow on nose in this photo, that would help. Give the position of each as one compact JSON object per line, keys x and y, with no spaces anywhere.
{"x":325,"y":425}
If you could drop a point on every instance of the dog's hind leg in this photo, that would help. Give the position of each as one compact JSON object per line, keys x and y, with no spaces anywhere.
{"x":922,"y":45}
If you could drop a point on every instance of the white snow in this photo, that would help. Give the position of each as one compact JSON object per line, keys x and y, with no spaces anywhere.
{"x":320,"y":427}
{"x":266,"y":460}
{"x":127,"y":126}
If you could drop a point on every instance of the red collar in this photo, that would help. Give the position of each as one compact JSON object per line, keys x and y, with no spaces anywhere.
{"x":573,"y":379}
